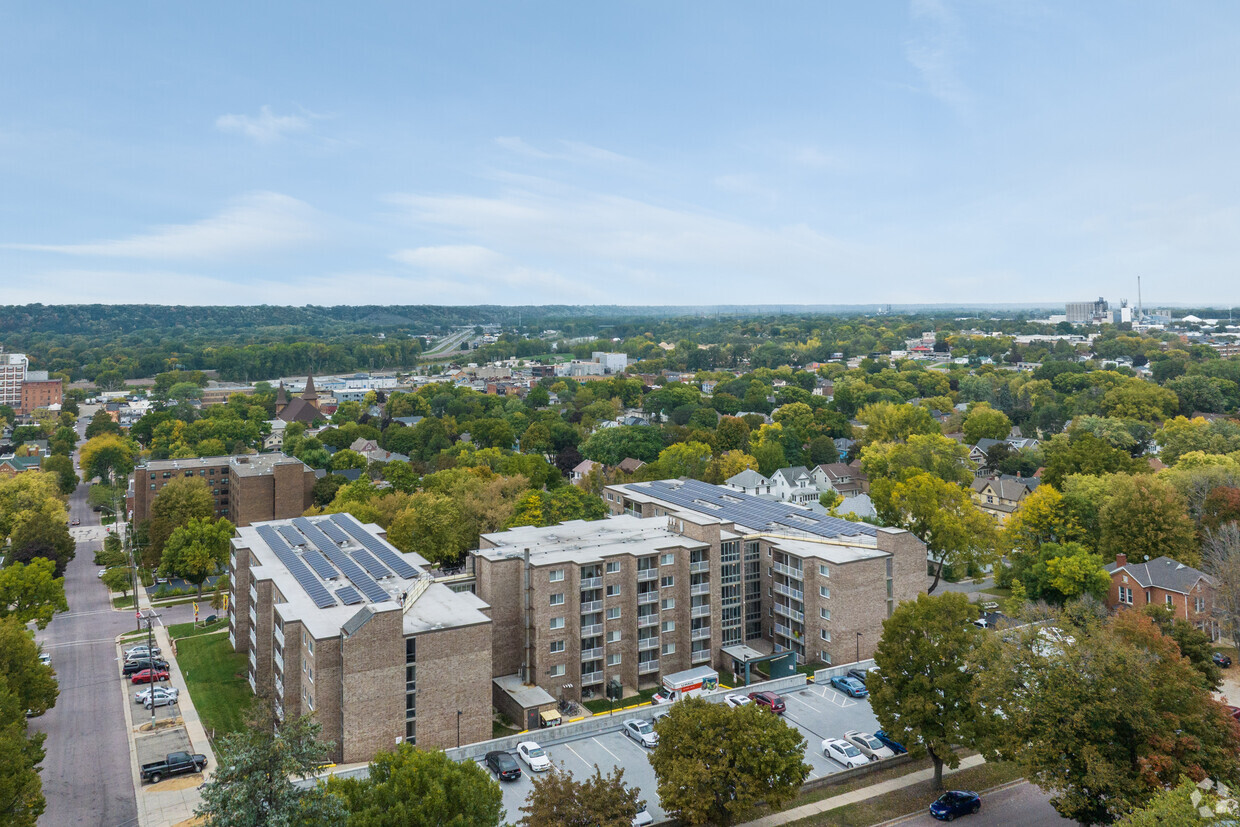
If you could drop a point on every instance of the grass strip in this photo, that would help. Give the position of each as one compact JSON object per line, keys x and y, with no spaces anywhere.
{"x":216,"y":678}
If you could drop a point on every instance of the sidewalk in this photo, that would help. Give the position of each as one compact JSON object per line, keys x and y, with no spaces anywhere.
{"x":828,"y":804}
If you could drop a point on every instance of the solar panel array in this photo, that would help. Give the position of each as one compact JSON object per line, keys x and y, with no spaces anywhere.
{"x":333,"y":531}
{"x":320,"y":565}
{"x":341,"y":560}
{"x":752,"y":512}
{"x":373,"y":544}
{"x":372,"y":566}
{"x":289,"y":533}
{"x":312,"y":585}
{"x":349,"y":596}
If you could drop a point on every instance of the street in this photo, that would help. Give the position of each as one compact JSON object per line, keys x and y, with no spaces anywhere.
{"x":1021,"y":805}
{"x":86,"y":772}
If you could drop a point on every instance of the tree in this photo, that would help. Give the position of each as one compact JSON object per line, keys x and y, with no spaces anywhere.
{"x":325,"y":488}
{"x":410,"y":787}
{"x":1220,"y":551}
{"x":253,"y":783}
{"x":1195,"y":645}
{"x":984,"y":422}
{"x":1138,"y":399}
{"x":611,"y":446}
{"x":197,"y":550}
{"x":1065,"y":572}
{"x":21,"y":790}
{"x":684,"y":459}
{"x":943,"y":517}
{"x":62,"y":467}
{"x":889,"y":422}
{"x":1179,"y":807}
{"x":1144,"y":517}
{"x":117,"y":579}
{"x":345,"y":459}
{"x":26,"y":679}
{"x":31,"y":591}
{"x":107,"y":453}
{"x":178,"y":502}
{"x":42,"y":533}
{"x":728,"y":464}
{"x":1041,"y":518}
{"x":731,"y":434}
{"x":102,"y":423}
{"x":431,"y":526}
{"x":1080,"y":452}
{"x":598,"y":801}
{"x":714,"y":763}
{"x":922,"y":693}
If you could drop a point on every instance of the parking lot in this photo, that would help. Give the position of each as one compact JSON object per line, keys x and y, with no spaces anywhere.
{"x":818,"y":712}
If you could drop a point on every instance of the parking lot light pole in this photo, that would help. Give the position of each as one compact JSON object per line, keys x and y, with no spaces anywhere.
{"x":150,"y":652}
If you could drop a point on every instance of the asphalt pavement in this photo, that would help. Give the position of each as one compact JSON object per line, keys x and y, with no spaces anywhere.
{"x":86,"y":771}
{"x":1021,"y":805}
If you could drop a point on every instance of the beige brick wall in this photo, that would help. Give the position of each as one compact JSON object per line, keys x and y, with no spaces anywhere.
{"x":499,"y":583}
{"x":454,"y":672}
{"x":372,"y":679}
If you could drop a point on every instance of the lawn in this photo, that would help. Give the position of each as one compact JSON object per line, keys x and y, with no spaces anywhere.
{"x":122,"y":602}
{"x":184,"y":630}
{"x":215,"y":677}
{"x":601,"y":705}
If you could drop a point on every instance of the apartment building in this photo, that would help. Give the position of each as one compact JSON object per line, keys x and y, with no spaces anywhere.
{"x":679,"y":573}
{"x":247,"y":488}
{"x":338,"y":624}
{"x":38,"y":391}
{"x":13,"y":368}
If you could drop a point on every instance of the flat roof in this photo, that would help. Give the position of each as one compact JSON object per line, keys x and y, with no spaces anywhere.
{"x":245,"y":465}
{"x":527,"y":696}
{"x":582,"y":541}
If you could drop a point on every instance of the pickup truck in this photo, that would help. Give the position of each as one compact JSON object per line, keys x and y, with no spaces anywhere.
{"x":174,"y":763}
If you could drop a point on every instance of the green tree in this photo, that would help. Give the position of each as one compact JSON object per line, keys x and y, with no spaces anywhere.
{"x":345,"y":459}
{"x":597,"y":801}
{"x":1041,"y":518}
{"x":107,"y":453}
{"x":714,"y":764}
{"x":1138,"y":399}
{"x":922,"y":693}
{"x":21,"y":752}
{"x":29,"y":681}
{"x":1063,"y":572}
{"x":1194,"y":643}
{"x":1080,"y":452}
{"x":178,"y":502}
{"x":984,"y":422}
{"x":253,"y":784}
{"x":410,"y":787}
{"x":1144,"y":517}
{"x":102,"y":423}
{"x":943,"y":517}
{"x":325,"y":488}
{"x":611,"y":446}
{"x":117,"y":579}
{"x":430,"y":525}
{"x":1179,"y":807}
{"x":42,"y":533}
{"x":684,"y":459}
{"x":197,"y":550}
{"x":890,"y":422}
{"x":31,"y":591}
{"x":62,"y":467}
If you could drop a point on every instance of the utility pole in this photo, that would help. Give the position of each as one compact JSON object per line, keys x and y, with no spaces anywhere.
{"x":150,"y":651}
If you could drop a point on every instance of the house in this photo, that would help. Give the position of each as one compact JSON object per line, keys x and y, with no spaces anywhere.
{"x":795,"y":485}
{"x":861,"y":505}
{"x":628,"y":465}
{"x":1187,"y":592}
{"x":845,"y":480}
{"x":843,"y":445}
{"x":999,"y":497}
{"x":582,"y":470}
{"x":304,"y":408}
{"x":752,"y":483}
{"x":980,"y":453}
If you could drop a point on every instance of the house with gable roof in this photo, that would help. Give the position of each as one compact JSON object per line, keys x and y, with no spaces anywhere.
{"x":1186,"y":591}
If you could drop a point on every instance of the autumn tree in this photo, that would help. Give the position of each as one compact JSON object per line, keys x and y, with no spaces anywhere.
{"x":197,"y":550}
{"x":728,"y":464}
{"x":1195,"y":644}
{"x":1041,"y":518}
{"x":714,"y":763}
{"x":178,"y":502}
{"x":943,"y":517}
{"x":32,"y":591}
{"x":106,"y":454}
{"x":922,"y":693}
{"x":597,"y":801}
{"x":1221,"y":560}
{"x":1144,"y":517}
{"x":890,"y":422}
{"x":984,"y":422}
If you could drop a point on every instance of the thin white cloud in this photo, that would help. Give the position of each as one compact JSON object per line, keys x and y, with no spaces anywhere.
{"x":265,"y":128}
{"x":934,"y":51}
{"x":464,"y":258}
{"x":481,"y":274}
{"x":256,"y":222}
{"x":575,"y":151}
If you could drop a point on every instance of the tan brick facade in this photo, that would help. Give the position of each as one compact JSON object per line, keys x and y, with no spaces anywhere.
{"x":40,"y":393}
{"x":246,"y":489}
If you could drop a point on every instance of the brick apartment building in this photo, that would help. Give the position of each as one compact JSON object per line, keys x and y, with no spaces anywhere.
{"x":339,"y":624}
{"x":682,"y":571}
{"x":247,"y":488}
{"x":1187,"y":592}
{"x":40,"y":392}
{"x":12,"y":374}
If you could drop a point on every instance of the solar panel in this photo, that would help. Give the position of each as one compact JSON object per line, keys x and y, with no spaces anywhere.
{"x":311,"y":584}
{"x":333,"y":531}
{"x":376,"y":546}
{"x":356,"y":576}
{"x":372,"y":566}
{"x":320,"y":565}
{"x":289,"y":533}
{"x":316,"y":537}
{"x":349,"y":596}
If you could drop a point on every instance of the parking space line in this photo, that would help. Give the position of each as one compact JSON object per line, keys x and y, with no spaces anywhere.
{"x":579,"y":758}
{"x":609,"y":752}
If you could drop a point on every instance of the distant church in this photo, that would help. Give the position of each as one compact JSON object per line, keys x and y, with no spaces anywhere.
{"x":304,"y":408}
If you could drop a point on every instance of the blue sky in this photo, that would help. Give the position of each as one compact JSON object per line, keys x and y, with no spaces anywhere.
{"x":624,"y":153}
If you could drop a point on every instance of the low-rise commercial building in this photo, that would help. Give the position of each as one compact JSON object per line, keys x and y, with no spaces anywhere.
{"x":247,"y":488}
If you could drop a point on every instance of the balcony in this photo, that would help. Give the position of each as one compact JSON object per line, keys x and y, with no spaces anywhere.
{"x":699,"y":567}
{"x":789,"y":612}
{"x":647,"y":620}
{"x":279,"y":660}
{"x":788,"y":591}
{"x":788,"y":571}
{"x":592,"y":654}
{"x":700,"y":611}
{"x":232,"y":639}
{"x":699,"y":588}
{"x":591,"y":583}
{"x":591,"y":678}
{"x":701,"y":634}
{"x":646,"y":575}
{"x":701,"y":656}
{"x":787,"y":631}
{"x":279,"y":688}
{"x":645,"y":668}
{"x":279,"y":636}
{"x":592,"y":606}
{"x":596,"y":629}
{"x":253,"y":617}
{"x":645,"y":598}
{"x":253,"y":640}
{"x":647,"y":643}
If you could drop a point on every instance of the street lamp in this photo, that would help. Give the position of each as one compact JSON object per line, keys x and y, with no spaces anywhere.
{"x":858,"y":647}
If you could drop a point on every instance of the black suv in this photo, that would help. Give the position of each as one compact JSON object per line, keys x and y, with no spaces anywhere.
{"x":138,"y":664}
{"x":1221,"y":660}
{"x":503,"y":765}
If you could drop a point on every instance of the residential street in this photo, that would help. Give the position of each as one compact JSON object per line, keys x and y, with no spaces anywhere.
{"x":86,"y":773}
{"x":1022,"y":805}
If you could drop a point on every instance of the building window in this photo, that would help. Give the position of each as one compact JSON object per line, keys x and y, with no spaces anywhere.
{"x":826,"y":657}
{"x":823,"y":591}
{"x":667,"y":559}
{"x":825,"y":635}
{"x":613,"y":567}
{"x":557,"y":599}
{"x":1170,"y":601}
{"x":823,"y":570}
{"x":667,"y":582}
{"x":557,"y":646}
{"x":613,"y":591}
{"x":613,"y":636}
{"x":667,"y":603}
{"x":310,"y":674}
{"x":613,"y":613}
{"x":669,"y":648}
{"x":310,"y":644}
{"x":556,"y":671}
{"x":667,"y":626}
{"x":825,"y":614}
{"x":1200,"y":605}
{"x":1125,"y":595}
{"x":557,"y":623}
{"x":556,"y":575}
{"x":613,"y":659}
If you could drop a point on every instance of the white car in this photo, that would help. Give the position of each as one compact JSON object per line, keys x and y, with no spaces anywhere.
{"x":736,"y":699}
{"x":843,"y":753}
{"x":142,"y":651}
{"x":102,"y":572}
{"x":870,"y":746}
{"x":160,"y":699}
{"x":642,"y":818}
{"x":533,"y":756}
{"x":45,"y":659}
{"x":641,"y":732}
{"x":142,"y":696}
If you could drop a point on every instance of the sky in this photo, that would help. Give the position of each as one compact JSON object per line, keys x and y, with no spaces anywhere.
{"x":637,"y":153}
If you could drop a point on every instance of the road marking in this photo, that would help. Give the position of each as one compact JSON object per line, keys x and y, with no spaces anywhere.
{"x":801,"y":702}
{"x":85,"y":614}
{"x":579,"y":758}
{"x":609,"y":752}
{"x":78,"y":643}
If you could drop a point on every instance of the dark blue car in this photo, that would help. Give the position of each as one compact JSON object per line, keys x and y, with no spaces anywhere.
{"x":850,"y":686}
{"x":955,"y":803}
{"x":894,"y":746}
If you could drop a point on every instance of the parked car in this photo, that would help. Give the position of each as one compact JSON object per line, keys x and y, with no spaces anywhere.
{"x":45,"y":659}
{"x":150,"y":676}
{"x":102,"y":572}
{"x":736,"y":699}
{"x":870,"y":746}
{"x":955,"y":803}
{"x":642,"y":818}
{"x":862,"y":675}
{"x":662,"y":697}
{"x":850,"y":686}
{"x":1221,"y":660}
{"x":142,"y":651}
{"x":843,"y":752}
{"x":138,"y":664}
{"x":503,"y":765}
{"x":894,"y":746}
{"x":533,"y":756}
{"x":174,"y":763}
{"x":769,"y":700}
{"x":641,"y":732}
{"x":140,"y":697}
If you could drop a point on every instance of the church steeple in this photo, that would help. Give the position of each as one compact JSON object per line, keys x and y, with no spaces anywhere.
{"x":310,"y":395}
{"x":281,"y":398}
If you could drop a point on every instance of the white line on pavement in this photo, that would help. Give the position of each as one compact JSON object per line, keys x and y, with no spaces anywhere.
{"x":579,"y":758}
{"x":606,"y":750}
{"x":78,"y":643}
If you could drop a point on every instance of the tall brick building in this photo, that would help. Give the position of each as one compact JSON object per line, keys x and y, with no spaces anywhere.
{"x":339,"y":624}
{"x":40,"y":392}
{"x":247,"y":488}
{"x":682,"y":572}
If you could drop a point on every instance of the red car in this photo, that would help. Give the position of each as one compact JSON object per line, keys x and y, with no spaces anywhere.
{"x":769,"y":700}
{"x":146,"y":676}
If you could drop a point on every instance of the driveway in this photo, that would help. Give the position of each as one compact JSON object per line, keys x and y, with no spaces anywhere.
{"x":86,"y":772}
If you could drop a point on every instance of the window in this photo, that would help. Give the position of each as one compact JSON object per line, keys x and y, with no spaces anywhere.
{"x":824,"y":570}
{"x":557,"y":599}
{"x":667,"y":581}
{"x":613,"y":660}
{"x":667,"y":559}
{"x":826,"y":657}
{"x":823,"y":591}
{"x":1125,"y":595}
{"x":669,"y":648}
{"x":825,"y":635}
{"x":1200,"y":604}
{"x":556,"y":671}
{"x":667,"y":626}
{"x":667,"y":603}
{"x":613,"y":590}
{"x":613,"y":636}
{"x":613,"y":567}
{"x":557,"y":646}
{"x":310,"y":674}
{"x":613,"y":613}
{"x":1170,"y":601}
{"x":825,"y":614}
{"x":556,"y":575}
{"x":557,"y":623}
